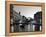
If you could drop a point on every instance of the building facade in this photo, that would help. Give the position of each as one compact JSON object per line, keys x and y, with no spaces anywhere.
{"x":38,"y":19}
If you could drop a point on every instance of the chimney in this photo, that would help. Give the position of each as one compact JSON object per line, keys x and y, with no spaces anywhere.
{"x":19,"y":13}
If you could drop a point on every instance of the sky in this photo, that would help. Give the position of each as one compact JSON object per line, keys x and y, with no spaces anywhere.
{"x":27,"y":11}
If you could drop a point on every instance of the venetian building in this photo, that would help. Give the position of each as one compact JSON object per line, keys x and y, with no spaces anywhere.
{"x":38,"y":19}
